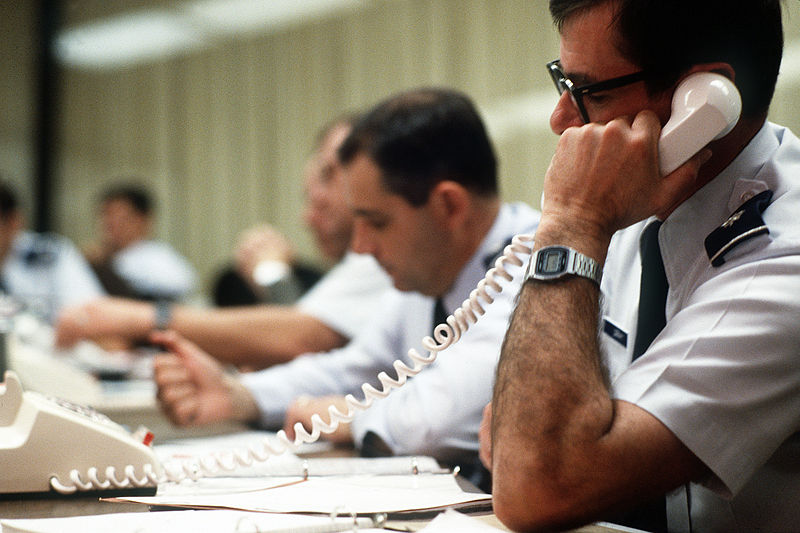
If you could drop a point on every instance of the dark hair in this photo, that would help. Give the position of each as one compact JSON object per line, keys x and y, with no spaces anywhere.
{"x":136,"y":196}
{"x":421,"y":137}
{"x":8,"y":201}
{"x":667,"y":37}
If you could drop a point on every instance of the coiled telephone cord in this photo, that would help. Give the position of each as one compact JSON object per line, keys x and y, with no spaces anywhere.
{"x":444,"y":335}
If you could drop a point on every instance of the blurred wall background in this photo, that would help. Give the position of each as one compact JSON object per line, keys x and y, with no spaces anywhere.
{"x":220,"y":130}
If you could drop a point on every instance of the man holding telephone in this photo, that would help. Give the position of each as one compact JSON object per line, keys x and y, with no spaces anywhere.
{"x":594,"y":416}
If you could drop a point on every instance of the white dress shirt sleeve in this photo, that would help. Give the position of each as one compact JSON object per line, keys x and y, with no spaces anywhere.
{"x":76,"y":282}
{"x":349,"y":295}
{"x":340,"y":371}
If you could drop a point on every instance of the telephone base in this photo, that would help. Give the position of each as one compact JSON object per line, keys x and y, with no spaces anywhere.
{"x":110,"y":493}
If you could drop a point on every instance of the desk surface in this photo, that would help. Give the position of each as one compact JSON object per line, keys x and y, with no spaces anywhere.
{"x":147,"y":414}
{"x":53,"y":508}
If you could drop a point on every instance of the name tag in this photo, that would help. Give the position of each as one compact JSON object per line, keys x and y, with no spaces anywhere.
{"x":615,"y":333}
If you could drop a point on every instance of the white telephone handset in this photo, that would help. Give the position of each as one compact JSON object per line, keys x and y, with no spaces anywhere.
{"x":705,"y":107}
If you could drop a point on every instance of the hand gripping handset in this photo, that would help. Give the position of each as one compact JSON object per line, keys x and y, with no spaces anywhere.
{"x":705,"y":107}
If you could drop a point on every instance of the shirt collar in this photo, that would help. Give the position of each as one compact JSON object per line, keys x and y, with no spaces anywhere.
{"x":511,"y":219}
{"x":682,"y":235}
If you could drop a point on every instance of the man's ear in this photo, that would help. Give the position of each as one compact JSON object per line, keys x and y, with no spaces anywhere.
{"x":450,"y":203}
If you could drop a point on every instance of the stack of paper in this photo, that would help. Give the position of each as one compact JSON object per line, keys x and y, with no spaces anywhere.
{"x":361,"y":494}
{"x":287,"y":492}
{"x":188,"y":522}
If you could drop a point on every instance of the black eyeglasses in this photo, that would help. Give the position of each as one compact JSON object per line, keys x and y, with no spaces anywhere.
{"x":563,"y":83}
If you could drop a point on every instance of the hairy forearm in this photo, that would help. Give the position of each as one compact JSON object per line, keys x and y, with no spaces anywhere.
{"x":256,"y":337}
{"x":551,"y":403}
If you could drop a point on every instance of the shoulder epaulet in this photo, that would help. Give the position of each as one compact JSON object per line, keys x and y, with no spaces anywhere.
{"x":745,"y":223}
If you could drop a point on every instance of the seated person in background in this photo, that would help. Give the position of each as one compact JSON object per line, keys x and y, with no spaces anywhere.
{"x":266,"y":270}
{"x":127,"y":260}
{"x":325,"y":214}
{"x":422,"y":183}
{"x":42,"y":272}
{"x":703,"y":417}
{"x":326,"y":317}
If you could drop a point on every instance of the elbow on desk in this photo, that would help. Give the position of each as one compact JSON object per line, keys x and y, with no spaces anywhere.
{"x":526,"y":502}
{"x":520,"y":512}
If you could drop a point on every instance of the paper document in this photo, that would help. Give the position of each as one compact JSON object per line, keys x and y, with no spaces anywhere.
{"x":189,"y":522}
{"x":450,"y":521}
{"x":224,"y":448}
{"x":363,"y":494}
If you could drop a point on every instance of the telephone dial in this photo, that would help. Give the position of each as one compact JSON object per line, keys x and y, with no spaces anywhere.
{"x":50,"y":446}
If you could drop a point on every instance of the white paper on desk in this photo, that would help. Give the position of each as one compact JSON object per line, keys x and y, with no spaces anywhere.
{"x":180,"y":522}
{"x":344,"y":494}
{"x":451,"y":520}
{"x":286,"y":464}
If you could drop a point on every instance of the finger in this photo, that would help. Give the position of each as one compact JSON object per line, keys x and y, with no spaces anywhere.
{"x":288,"y":428}
{"x":188,"y":352}
{"x":169,"y":339}
{"x":165,"y":360}
{"x":169,"y":369}
{"x":172,"y":377}
{"x":293,"y":417}
{"x":175,"y":394}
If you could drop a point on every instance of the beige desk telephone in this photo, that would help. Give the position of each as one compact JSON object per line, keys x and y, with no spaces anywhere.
{"x":48,"y":446}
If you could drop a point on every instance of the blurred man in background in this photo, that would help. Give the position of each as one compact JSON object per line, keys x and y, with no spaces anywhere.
{"x":326,"y":317}
{"x":127,"y":260}
{"x":41,"y":272}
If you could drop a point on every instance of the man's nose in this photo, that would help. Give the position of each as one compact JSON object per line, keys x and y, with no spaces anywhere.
{"x":565,"y":114}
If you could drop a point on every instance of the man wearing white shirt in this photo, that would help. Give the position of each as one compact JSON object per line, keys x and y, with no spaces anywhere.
{"x":326,"y":317}
{"x":128,"y":261}
{"x":687,"y":421}
{"x":43,"y":272}
{"x":421,"y":181}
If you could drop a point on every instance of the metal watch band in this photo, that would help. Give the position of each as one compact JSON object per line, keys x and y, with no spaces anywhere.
{"x":554,"y":262}
{"x":586,"y":267}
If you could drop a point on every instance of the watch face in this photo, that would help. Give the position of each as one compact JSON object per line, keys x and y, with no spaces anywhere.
{"x":551,"y":261}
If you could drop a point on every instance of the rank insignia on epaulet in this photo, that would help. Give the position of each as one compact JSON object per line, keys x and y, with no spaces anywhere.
{"x":745,"y":223}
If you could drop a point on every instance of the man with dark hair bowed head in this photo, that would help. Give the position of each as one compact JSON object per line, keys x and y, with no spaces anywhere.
{"x":421,"y":181}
